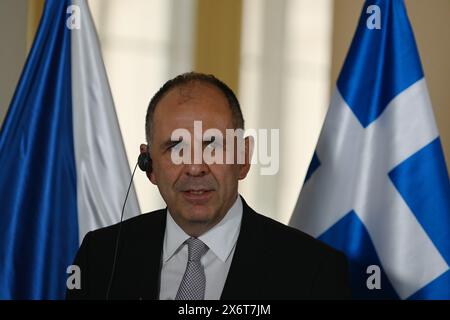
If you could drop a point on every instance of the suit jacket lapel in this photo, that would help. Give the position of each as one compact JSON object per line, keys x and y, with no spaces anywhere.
{"x":243,"y":280}
{"x":151,"y":257}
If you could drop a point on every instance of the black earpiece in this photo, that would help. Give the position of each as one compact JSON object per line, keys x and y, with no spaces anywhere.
{"x":145,"y":162}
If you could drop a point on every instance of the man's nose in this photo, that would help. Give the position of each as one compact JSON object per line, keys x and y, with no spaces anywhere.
{"x":197,"y":170}
{"x":197,"y":166}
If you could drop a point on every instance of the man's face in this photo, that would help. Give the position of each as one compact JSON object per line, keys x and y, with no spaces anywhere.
{"x":197,"y":195}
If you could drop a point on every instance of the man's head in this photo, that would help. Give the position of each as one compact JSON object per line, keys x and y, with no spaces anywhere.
{"x":198,"y":195}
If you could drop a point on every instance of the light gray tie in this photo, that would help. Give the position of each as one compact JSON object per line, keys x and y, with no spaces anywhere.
{"x":192,"y":285}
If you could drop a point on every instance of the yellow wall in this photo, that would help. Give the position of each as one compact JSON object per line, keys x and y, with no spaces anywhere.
{"x":18,"y":23}
{"x":35,"y":8}
{"x":13,"y":30}
{"x":218,"y":30}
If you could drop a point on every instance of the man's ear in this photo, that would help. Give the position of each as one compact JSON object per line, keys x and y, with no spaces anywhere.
{"x":249,"y":143}
{"x":151,"y":176}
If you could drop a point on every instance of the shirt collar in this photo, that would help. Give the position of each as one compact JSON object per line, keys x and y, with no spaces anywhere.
{"x":220,"y":239}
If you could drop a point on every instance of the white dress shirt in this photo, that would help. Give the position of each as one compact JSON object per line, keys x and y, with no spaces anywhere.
{"x":221,"y":240}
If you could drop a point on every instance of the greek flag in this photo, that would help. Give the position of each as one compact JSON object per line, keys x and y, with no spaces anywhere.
{"x":64,"y":170}
{"x":377,"y":187}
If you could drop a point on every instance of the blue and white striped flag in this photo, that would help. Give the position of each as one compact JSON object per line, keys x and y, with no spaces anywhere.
{"x":377,"y":187}
{"x":64,"y":170}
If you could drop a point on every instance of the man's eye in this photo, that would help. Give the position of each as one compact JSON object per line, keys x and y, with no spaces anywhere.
{"x":209,"y":142}
{"x":175,"y":144}
{"x":213,"y":143}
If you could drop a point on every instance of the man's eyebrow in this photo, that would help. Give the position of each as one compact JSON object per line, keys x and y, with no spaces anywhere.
{"x":211,"y":138}
{"x":170,"y":142}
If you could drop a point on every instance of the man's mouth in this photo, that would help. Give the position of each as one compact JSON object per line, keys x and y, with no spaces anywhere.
{"x":197,"y":196}
{"x":197,"y":191}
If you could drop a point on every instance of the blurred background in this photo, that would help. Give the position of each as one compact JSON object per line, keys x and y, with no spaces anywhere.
{"x":281,"y":57}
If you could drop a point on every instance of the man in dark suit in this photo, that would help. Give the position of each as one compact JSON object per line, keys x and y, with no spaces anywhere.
{"x":208,"y":243}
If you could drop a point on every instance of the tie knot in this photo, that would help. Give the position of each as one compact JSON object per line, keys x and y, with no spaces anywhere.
{"x":196,"y":249}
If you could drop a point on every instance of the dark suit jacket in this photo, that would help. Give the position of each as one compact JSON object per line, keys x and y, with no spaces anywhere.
{"x":271,"y":261}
